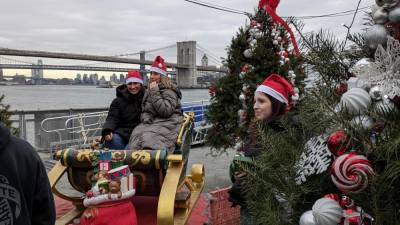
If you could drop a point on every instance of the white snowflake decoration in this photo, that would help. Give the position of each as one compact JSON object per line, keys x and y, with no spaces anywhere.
{"x":315,"y":159}
{"x":385,"y":71}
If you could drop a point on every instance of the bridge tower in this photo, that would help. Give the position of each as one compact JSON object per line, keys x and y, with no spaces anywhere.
{"x":186,"y":60}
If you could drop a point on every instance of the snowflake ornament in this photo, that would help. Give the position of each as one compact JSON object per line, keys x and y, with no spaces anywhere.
{"x":315,"y":159}
{"x":385,"y":71}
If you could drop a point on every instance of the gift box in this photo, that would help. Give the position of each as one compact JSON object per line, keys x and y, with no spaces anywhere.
{"x":128,"y":183}
{"x":104,"y":165}
{"x":116,"y":164}
{"x":118,"y":173}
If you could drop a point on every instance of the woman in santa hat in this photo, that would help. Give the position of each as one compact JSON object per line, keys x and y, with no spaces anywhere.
{"x":161,"y":112}
{"x":124,"y":113}
{"x":272,"y":99}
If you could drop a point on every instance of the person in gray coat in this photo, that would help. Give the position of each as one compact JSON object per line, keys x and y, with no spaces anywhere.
{"x":161,"y":115}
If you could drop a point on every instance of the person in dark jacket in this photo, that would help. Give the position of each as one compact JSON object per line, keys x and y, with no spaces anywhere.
{"x":124,"y":113}
{"x":272,"y":99}
{"x":161,"y":112}
{"x":25,"y":193}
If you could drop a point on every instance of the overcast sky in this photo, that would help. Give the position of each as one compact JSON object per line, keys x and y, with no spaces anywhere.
{"x":111,"y":27}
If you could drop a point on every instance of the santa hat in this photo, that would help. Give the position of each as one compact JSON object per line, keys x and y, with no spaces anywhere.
{"x":159,"y":66}
{"x":134,"y":76}
{"x":278,"y":88}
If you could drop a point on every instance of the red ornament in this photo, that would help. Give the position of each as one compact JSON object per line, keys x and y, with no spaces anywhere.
{"x":212,"y":91}
{"x":346,"y":202}
{"x":351,"y":217}
{"x":338,"y":143}
{"x":351,"y":172}
{"x":245,"y":68}
{"x":341,"y":89}
{"x":253,"y":23}
{"x":89,"y":194}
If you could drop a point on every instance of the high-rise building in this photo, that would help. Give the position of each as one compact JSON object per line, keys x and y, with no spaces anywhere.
{"x":1,"y":75}
{"x":37,"y":73}
{"x":122,"y":78}
{"x":85,"y":79}
{"x":204,"y":60}
{"x":94,"y":78}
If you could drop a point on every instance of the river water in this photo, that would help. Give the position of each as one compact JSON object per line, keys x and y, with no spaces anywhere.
{"x":42,"y":97}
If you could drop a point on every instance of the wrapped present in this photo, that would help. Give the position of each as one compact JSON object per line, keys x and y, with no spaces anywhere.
{"x":104,"y":165}
{"x":118,"y":173}
{"x":128,"y":183}
{"x":116,"y":163}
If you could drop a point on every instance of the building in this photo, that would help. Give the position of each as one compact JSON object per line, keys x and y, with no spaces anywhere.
{"x":1,"y":75}
{"x":94,"y":79}
{"x":122,"y":78}
{"x":85,"y":79}
{"x":37,"y":73}
{"x":78,"y":79}
{"x":113,"y":78}
{"x":204,"y":60}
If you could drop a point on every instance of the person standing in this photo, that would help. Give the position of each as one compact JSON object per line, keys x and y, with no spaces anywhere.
{"x":124,"y":113}
{"x":25,"y":193}
{"x":162,"y":113}
{"x":272,"y":99}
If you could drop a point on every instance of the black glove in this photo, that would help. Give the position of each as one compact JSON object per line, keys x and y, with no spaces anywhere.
{"x":236,"y":194}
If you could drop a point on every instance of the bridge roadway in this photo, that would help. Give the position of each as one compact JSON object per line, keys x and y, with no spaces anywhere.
{"x":58,"y":55}
{"x":62,"y":67}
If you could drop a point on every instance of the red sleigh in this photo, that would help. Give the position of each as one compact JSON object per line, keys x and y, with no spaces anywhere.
{"x":157,"y":173}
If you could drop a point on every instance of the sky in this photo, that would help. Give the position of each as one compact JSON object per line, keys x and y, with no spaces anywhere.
{"x":113,"y":27}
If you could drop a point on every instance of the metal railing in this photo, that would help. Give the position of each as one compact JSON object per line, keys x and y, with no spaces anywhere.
{"x":47,"y":130}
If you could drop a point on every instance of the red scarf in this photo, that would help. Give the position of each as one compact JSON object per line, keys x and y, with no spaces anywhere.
{"x":270,"y":6}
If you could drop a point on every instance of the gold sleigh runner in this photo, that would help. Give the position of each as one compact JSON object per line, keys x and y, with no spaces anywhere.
{"x":157,"y":173}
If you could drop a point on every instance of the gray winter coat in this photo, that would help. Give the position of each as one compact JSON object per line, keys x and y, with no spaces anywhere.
{"x":160,"y":120}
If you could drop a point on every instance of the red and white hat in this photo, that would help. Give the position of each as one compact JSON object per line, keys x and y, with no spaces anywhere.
{"x":134,"y":76}
{"x":278,"y":88}
{"x":159,"y":66}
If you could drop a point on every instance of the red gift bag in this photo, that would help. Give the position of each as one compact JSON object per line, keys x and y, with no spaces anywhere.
{"x":121,"y":213}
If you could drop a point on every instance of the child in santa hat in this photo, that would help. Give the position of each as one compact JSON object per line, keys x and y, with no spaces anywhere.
{"x":161,"y":112}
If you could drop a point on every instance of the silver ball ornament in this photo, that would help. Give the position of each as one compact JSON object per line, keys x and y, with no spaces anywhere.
{"x":380,"y":16}
{"x":384,"y":106}
{"x":258,"y":34}
{"x":376,"y":35}
{"x":375,"y":93}
{"x":275,"y":42}
{"x":394,"y":15}
{"x":279,"y":39}
{"x":242,"y":97}
{"x":362,"y":121}
{"x":245,"y":87}
{"x":307,"y":218}
{"x":248,"y":53}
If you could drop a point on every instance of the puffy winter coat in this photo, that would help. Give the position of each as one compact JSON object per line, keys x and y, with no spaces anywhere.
{"x":161,"y":119}
{"x":124,"y":112}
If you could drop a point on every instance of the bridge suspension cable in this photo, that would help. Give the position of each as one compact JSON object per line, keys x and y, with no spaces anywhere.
{"x":148,"y":51}
{"x":15,"y":60}
{"x":214,"y":57}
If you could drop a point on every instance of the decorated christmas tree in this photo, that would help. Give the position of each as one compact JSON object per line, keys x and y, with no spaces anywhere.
{"x":263,"y":47}
{"x":341,"y":164}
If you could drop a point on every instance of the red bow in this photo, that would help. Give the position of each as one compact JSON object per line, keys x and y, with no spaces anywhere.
{"x":270,"y":6}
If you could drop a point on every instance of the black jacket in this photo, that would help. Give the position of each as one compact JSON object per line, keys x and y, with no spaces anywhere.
{"x":124,"y":113}
{"x":25,"y":194}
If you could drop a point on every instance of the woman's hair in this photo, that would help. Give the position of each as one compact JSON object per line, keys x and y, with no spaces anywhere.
{"x":278,"y":108}
{"x":165,"y":81}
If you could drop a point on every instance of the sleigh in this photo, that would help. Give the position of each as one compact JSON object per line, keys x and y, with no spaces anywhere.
{"x":157,"y":173}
